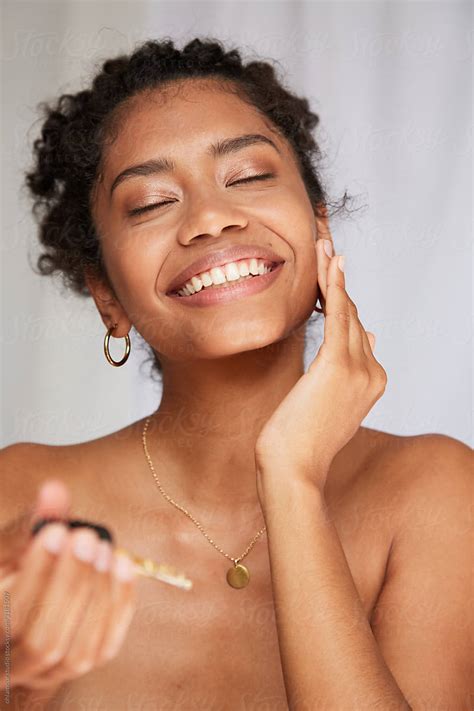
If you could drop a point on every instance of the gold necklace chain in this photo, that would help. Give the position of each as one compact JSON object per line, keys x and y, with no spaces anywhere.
{"x":237,"y":576}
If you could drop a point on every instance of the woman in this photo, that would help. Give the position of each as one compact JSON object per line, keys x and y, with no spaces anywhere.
{"x":180,"y":192}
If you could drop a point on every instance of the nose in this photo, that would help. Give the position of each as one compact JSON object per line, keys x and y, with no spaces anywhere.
{"x":209,"y":214}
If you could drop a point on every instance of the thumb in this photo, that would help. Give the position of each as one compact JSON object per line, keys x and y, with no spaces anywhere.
{"x":52,"y":501}
{"x":371,"y":337}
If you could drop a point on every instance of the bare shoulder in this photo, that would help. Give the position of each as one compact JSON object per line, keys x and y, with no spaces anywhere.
{"x":412,"y":480}
{"x":423,"y":606}
{"x":415,"y":461}
{"x":437,"y":460}
{"x":25,"y":465}
{"x":437,"y":475}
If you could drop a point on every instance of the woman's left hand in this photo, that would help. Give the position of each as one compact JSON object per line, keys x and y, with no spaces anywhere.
{"x":325,"y":408}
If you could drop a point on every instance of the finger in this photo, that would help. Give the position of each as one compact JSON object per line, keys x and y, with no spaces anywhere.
{"x":359,"y":344}
{"x":323,"y":260}
{"x":83,"y":650}
{"x":122,"y":606}
{"x":51,"y":625}
{"x":371,"y":339}
{"x":361,"y":347}
{"x":337,"y":317}
{"x":34,"y":570}
{"x":52,"y":501}
{"x":366,"y":342}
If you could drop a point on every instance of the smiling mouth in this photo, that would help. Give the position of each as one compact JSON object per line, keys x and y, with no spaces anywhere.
{"x":264,"y":267}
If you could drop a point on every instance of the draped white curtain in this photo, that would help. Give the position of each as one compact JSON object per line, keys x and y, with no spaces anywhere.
{"x":391,"y":82}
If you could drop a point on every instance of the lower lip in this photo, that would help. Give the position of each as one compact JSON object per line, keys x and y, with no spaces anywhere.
{"x":246,"y":287}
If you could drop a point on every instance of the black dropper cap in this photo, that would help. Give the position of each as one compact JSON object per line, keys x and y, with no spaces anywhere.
{"x":101,"y":531}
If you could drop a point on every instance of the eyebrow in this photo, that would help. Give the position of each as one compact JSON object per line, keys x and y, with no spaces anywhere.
{"x":164,"y":165}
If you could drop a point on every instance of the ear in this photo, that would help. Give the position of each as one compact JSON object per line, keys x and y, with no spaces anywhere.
{"x":107,"y":303}
{"x":322,"y":224}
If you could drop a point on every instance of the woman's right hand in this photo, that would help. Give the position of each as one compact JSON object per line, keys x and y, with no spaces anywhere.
{"x":68,"y":597}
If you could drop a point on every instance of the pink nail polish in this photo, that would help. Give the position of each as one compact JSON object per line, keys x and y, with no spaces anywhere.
{"x":103,"y":557}
{"x":53,"y":537}
{"x":123,"y":567}
{"x":85,"y":545}
{"x":340,"y":262}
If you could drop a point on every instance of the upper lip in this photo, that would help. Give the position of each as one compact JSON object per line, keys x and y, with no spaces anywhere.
{"x":222,"y":256}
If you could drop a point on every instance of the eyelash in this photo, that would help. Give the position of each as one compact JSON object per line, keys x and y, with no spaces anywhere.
{"x":153,"y":206}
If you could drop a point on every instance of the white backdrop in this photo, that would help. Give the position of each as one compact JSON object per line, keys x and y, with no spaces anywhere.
{"x":392,"y":84}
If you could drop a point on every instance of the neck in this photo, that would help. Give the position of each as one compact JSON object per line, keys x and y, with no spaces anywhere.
{"x":202,"y":437}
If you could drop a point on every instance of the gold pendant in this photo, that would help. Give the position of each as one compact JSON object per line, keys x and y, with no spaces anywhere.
{"x":238,"y":576}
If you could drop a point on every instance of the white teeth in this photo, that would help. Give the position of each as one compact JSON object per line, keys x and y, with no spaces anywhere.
{"x":253,"y":267}
{"x":206,"y":279}
{"x":197,"y":283}
{"x":217,"y":275}
{"x":233,"y":271}
{"x":243,"y":268}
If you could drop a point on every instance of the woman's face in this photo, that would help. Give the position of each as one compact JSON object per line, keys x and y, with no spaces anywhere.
{"x":206,"y":210}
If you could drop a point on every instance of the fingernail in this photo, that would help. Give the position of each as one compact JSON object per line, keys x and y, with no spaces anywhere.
{"x":50,"y":488}
{"x":103,"y":557}
{"x":85,"y":545}
{"x":327,"y":247}
{"x":340,"y":262}
{"x":53,"y":537}
{"x":123,"y":567}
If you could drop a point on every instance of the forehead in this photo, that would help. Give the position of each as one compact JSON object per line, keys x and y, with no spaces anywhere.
{"x":188,"y":113}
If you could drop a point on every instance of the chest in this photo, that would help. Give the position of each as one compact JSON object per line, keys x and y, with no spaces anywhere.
{"x":215,"y":647}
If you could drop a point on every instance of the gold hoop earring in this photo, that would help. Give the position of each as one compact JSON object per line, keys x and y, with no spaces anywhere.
{"x":106,"y":347}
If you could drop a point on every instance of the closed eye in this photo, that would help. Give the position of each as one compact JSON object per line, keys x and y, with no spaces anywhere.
{"x":155,"y":205}
{"x":262,"y":176}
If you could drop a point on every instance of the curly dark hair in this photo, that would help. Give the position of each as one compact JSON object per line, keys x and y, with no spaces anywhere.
{"x":77,"y":127}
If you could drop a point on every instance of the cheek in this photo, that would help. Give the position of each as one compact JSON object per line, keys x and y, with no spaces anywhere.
{"x":135,"y":267}
{"x":310,"y":288}
{"x":289,"y":215}
{"x":304,"y":287}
